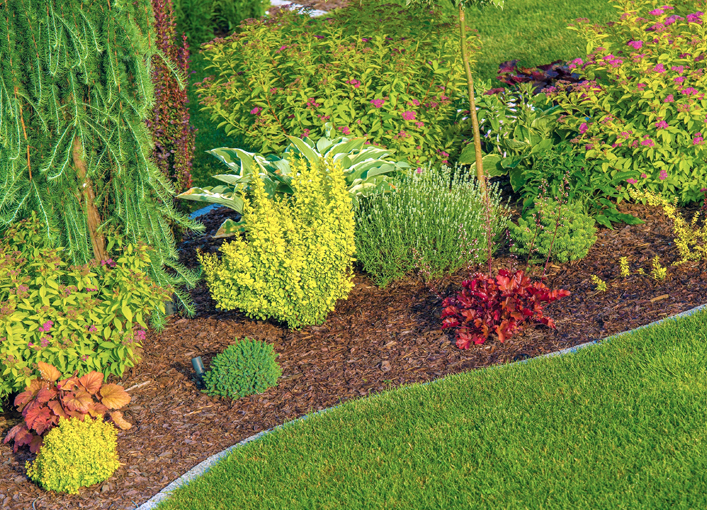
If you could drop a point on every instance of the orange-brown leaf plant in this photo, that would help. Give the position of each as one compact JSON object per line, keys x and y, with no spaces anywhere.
{"x":46,"y":401}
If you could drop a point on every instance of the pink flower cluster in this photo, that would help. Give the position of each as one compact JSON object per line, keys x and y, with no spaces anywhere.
{"x":256,"y":110}
{"x":408,"y":115}
{"x":378,"y":103}
{"x":356,"y":84}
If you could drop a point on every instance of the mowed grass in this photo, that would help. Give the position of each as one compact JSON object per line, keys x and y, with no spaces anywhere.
{"x":533,"y":31}
{"x":618,"y":425}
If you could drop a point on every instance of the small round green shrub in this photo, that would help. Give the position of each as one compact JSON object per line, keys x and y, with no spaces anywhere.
{"x":75,"y":454}
{"x":245,"y":368}
{"x":576,"y":232}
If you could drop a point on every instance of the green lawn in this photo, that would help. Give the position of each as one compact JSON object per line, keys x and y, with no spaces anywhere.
{"x":618,"y":425}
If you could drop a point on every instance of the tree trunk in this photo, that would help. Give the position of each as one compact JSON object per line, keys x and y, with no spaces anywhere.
{"x":92,"y":217}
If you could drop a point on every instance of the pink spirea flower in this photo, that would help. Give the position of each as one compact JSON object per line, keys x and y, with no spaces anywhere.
{"x":698,"y":140}
{"x":678,"y":69}
{"x":631,"y":181}
{"x":679,"y":79}
{"x":663,"y":175}
{"x":356,"y":84}
{"x":583,"y":128}
{"x":695,"y":17}
{"x":409,"y":115}
{"x":672,"y":19}
{"x":648,"y":143}
{"x":345,"y":130}
{"x":669,"y":99}
{"x":689,"y":91}
{"x":643,"y":176}
{"x":419,"y":170}
{"x":45,"y":341}
{"x":256,"y":110}
{"x":305,"y":132}
{"x":46,"y":326}
{"x":420,"y":124}
{"x":92,"y":329}
{"x":656,"y":12}
{"x":661,"y":125}
{"x":414,"y":102}
{"x":635,"y":44}
{"x":378,"y":103}
{"x":641,"y":86}
{"x":659,"y":68}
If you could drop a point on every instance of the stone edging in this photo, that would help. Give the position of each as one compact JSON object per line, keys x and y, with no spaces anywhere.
{"x":204,"y":466}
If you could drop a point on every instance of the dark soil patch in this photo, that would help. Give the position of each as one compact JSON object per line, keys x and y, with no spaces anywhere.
{"x":377,"y":338}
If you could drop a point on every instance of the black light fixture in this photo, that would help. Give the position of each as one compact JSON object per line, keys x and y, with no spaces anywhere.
{"x":199,"y":369}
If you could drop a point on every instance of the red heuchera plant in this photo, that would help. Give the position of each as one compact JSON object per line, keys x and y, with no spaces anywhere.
{"x":45,"y":401}
{"x":500,"y":305}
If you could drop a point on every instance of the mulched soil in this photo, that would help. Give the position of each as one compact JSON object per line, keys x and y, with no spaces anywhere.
{"x":376,"y":339}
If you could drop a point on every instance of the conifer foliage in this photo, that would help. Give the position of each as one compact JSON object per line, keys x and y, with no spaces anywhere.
{"x":172,"y":133}
{"x":75,"y":92}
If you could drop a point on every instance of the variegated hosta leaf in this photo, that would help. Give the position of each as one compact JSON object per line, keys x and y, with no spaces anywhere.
{"x":230,"y":228}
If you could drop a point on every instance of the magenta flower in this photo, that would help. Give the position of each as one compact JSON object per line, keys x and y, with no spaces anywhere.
{"x":631,"y":181}
{"x":663,"y":175}
{"x":420,"y":125}
{"x":656,"y":12}
{"x":92,"y":329}
{"x":643,"y":176}
{"x":669,"y":99}
{"x":282,"y":48}
{"x":356,"y":84}
{"x":661,"y":125}
{"x":635,"y":44}
{"x":256,"y":110}
{"x":345,"y":130}
{"x":678,"y":69}
{"x":698,"y":140}
{"x":648,"y":143}
{"x":407,"y":115}
{"x":695,"y":18}
{"x":667,"y":7}
{"x":45,"y":341}
{"x":419,"y":170}
{"x":679,"y":79}
{"x":614,"y":145}
{"x":46,"y":326}
{"x":659,"y":68}
{"x":378,"y":102}
{"x":688,"y":91}
{"x":414,"y":102}
{"x":583,"y":128}
{"x":305,"y":133}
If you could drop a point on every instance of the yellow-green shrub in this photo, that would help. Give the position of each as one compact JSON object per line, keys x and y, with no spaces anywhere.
{"x":296,"y":261}
{"x":75,"y":454}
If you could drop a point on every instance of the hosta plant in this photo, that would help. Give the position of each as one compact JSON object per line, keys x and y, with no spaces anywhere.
{"x":366,"y":168}
{"x":45,"y":402}
{"x":500,"y":305}
{"x":644,"y":109}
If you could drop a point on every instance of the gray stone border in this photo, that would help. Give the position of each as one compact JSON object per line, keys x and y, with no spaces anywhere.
{"x":204,"y":466}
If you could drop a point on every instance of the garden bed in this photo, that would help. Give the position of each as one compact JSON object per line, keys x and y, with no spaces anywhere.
{"x":376,"y":339}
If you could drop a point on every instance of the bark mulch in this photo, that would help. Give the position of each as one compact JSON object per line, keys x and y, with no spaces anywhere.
{"x":375,"y":339}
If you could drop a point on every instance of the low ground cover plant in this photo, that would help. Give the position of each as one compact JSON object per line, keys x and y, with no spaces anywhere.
{"x":296,"y":259}
{"x":48,"y":400}
{"x":434,"y":219}
{"x":643,"y":110}
{"x":386,"y":72}
{"x":90,"y":317}
{"x":246,"y":368}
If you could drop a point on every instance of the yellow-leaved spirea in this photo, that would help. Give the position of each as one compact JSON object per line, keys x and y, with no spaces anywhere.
{"x":297,"y":258}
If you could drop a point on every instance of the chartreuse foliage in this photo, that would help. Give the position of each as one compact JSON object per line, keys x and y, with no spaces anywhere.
{"x":78,"y":453}
{"x":81,"y":319}
{"x":562,"y":230}
{"x":366,"y":170}
{"x":388,"y":72}
{"x":645,"y":110}
{"x":557,"y":432}
{"x":296,"y":259}
{"x":245,"y":368}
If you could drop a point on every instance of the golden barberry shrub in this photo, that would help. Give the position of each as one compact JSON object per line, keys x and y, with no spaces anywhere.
{"x":297,"y":257}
